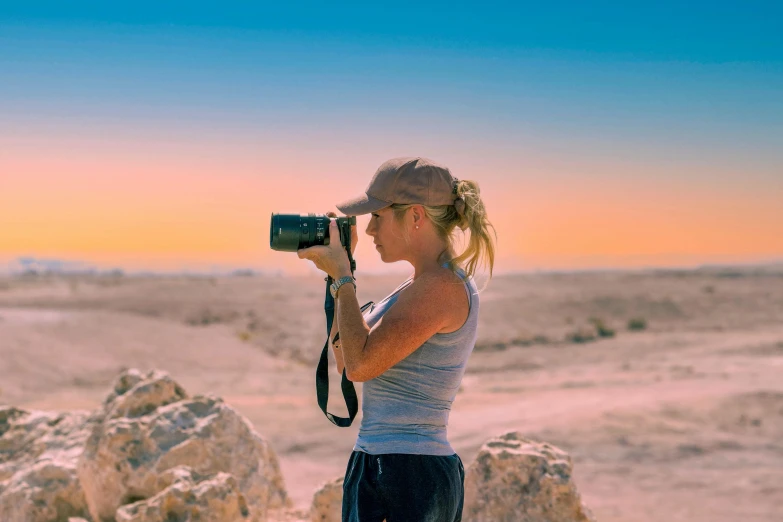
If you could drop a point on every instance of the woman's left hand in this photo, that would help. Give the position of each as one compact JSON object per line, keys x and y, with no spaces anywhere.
{"x":331,"y":258}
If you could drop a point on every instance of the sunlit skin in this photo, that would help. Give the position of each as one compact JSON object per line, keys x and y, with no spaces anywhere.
{"x":366,"y":352}
{"x":426,"y":251}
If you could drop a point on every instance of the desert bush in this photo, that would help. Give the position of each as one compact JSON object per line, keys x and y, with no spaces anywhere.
{"x":522,"y":339}
{"x":600,"y":327}
{"x":584,"y":334}
{"x":206,"y":316}
{"x":490,"y":346}
{"x":636,"y":324}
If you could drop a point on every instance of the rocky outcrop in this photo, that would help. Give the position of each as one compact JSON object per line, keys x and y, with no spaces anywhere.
{"x":327,"y":505}
{"x":190,"y":497}
{"x":150,"y":426}
{"x":38,"y":456}
{"x":153,"y":454}
{"x":149,"y":454}
{"x":514,"y":479}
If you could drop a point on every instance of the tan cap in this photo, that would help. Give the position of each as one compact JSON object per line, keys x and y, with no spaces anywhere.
{"x":404,"y":180}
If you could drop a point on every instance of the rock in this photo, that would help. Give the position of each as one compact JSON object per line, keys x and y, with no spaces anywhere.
{"x":327,"y":505}
{"x":191,"y":497}
{"x":514,"y":479}
{"x":149,"y":427}
{"x":135,"y":395}
{"x":38,"y":454}
{"x":289,"y":515}
{"x":152,"y":454}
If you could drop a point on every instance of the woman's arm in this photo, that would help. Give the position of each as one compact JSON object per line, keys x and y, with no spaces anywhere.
{"x":353,"y":329}
{"x":424,"y":308}
{"x":338,"y":354}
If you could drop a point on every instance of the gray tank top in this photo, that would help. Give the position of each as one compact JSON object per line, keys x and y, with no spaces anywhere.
{"x":406,"y":409}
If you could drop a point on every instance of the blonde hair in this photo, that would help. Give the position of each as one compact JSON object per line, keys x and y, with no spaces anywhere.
{"x":446,"y":220}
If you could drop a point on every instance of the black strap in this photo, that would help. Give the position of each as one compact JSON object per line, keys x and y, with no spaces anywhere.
{"x":322,"y":378}
{"x":322,"y":372}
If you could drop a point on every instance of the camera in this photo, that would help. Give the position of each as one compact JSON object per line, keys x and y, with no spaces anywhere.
{"x":292,"y":232}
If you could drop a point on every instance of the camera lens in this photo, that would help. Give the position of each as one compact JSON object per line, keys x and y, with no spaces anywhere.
{"x":291,"y":232}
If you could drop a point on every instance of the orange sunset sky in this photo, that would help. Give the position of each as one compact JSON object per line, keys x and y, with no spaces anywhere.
{"x":147,"y":146}
{"x":138,"y":203}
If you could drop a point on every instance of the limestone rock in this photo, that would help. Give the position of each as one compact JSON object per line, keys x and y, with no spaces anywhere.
{"x":135,"y":395}
{"x":191,"y":497}
{"x":327,"y":505}
{"x":38,"y":454}
{"x":149,"y":427}
{"x":289,"y":515}
{"x":514,"y":479}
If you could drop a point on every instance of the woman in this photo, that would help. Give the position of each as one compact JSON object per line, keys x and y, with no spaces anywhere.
{"x":411,"y":348}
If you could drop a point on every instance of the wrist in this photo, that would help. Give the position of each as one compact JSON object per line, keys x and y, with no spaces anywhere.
{"x":341,"y":282}
{"x":343,"y":273}
{"x":344,"y":287}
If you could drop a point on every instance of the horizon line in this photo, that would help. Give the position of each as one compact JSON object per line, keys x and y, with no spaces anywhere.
{"x":83,"y":268}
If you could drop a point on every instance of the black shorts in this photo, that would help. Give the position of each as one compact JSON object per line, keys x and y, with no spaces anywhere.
{"x":399,"y":487}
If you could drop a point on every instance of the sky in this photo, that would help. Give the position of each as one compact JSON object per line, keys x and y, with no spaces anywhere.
{"x":162,"y":136}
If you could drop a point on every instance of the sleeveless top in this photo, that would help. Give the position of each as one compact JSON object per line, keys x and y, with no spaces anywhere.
{"x":406,"y":408}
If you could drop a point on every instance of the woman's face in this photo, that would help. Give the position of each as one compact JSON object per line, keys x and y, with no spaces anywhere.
{"x":386,"y":234}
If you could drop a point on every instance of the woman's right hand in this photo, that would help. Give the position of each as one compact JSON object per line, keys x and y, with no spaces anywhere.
{"x":354,"y":233}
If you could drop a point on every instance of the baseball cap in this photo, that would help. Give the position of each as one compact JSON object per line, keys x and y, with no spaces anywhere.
{"x":404,"y":180}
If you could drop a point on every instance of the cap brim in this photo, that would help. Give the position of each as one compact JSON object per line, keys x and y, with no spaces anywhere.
{"x":363,"y":204}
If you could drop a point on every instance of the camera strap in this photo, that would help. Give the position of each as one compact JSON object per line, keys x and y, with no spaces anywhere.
{"x":322,"y":372}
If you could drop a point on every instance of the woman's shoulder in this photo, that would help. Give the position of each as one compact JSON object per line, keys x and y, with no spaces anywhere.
{"x":448,"y":284}
{"x":452,"y":291}
{"x":456,"y":276}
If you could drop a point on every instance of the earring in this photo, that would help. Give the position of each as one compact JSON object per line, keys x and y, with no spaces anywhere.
{"x":417,"y":226}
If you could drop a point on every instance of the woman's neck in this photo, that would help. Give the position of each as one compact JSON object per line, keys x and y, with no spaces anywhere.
{"x":444,"y":257}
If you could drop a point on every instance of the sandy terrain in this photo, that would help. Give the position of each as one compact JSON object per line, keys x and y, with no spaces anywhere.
{"x":680,"y":421}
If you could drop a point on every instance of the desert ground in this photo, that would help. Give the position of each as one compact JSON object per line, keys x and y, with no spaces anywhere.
{"x":665,"y":386}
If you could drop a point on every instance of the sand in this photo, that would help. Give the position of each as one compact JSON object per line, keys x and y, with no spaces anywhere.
{"x":680,"y":421}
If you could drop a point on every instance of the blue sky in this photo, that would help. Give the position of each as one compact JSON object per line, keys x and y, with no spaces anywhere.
{"x":706,"y":32}
{"x":714,"y":69}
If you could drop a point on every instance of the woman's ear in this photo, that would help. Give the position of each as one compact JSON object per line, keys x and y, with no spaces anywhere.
{"x":417,"y":214}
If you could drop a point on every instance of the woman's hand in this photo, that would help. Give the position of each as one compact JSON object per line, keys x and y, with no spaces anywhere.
{"x":354,"y":233}
{"x":331,"y":258}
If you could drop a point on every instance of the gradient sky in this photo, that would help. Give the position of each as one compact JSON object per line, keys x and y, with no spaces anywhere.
{"x":162,"y":136}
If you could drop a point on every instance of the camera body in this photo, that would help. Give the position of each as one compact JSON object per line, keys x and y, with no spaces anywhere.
{"x":292,"y":232}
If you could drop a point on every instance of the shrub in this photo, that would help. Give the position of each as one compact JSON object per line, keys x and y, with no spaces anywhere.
{"x":600,"y":327}
{"x":490,"y":346}
{"x":206,"y":317}
{"x":636,"y":324}
{"x":581,"y":335}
